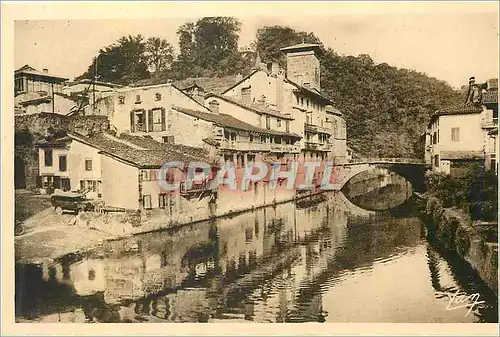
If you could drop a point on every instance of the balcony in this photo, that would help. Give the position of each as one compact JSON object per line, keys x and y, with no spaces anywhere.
{"x":316,"y":129}
{"x":259,"y":147}
{"x":318,"y":146}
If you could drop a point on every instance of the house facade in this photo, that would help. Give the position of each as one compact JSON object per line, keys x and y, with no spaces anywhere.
{"x":147,"y":111}
{"x":70,"y":164}
{"x":36,"y":92}
{"x":465,"y":133}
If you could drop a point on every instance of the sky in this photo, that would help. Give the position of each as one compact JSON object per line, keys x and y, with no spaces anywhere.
{"x":449,"y":45}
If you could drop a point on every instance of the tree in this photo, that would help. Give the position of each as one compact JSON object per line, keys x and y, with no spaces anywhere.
{"x":122,"y":62}
{"x":209,"y":47}
{"x":159,"y":54}
{"x":216,"y":38}
{"x":187,"y":44}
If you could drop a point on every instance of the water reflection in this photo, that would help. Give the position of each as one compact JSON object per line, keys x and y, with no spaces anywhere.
{"x":323,"y":260}
{"x":378,"y":189}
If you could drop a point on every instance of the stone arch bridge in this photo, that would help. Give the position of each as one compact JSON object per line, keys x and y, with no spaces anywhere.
{"x":411,"y":169}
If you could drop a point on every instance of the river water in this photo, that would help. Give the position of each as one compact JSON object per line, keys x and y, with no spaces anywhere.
{"x":318,"y":260}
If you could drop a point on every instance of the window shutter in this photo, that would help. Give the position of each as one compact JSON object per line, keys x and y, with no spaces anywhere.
{"x":150,"y":123}
{"x":132,"y":127}
{"x":163,"y":124}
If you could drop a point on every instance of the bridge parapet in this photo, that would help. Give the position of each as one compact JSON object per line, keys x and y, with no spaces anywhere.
{"x":406,"y":161}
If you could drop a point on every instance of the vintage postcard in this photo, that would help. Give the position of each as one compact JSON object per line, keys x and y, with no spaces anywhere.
{"x":329,"y":166}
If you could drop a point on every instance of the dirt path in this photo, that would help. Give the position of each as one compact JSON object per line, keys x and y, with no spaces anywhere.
{"x":49,"y":236}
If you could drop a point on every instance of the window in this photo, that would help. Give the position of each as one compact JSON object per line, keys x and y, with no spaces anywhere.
{"x":302,"y":101}
{"x":268,"y":123}
{"x":436,"y":160}
{"x":138,"y":121}
{"x":19,"y":84}
{"x":309,"y":118}
{"x":434,"y":138}
{"x":278,"y":122}
{"x":163,"y":200}
{"x":168,"y":139}
{"x":48,"y":158}
{"x":121,"y":100}
{"x":263,"y":139}
{"x":157,"y":116}
{"x":158,"y":96}
{"x":88,"y":164}
{"x":455,"y":134}
{"x":63,"y":163}
{"x":287,"y":126}
{"x":138,"y":98}
{"x":250,"y":138}
{"x":307,"y":103}
{"x":146,"y":175}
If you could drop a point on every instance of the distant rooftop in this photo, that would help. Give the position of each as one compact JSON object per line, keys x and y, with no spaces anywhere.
{"x":302,"y":47}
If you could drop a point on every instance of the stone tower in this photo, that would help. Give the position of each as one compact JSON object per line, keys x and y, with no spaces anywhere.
{"x":302,"y":64}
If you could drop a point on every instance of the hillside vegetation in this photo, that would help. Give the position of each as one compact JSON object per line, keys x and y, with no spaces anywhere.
{"x":386,"y":108}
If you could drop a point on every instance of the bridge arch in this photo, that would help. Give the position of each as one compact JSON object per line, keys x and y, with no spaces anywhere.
{"x":412,"y":170}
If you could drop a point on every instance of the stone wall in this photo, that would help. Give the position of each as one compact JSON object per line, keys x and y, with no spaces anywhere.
{"x":475,"y":243}
{"x":40,"y":123}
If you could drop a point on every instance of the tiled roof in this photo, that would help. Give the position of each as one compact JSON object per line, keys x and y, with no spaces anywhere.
{"x":467,"y":108}
{"x":301,"y":46}
{"x":26,"y":69}
{"x":251,"y":106}
{"x":462,"y":109}
{"x":142,"y":157}
{"x":209,"y":84}
{"x":150,"y":143}
{"x":308,"y":91}
{"x":231,"y":122}
{"x":490,"y":96}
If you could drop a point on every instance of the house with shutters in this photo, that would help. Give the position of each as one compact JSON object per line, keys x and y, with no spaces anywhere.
{"x":148,"y":111}
{"x":465,"y":133}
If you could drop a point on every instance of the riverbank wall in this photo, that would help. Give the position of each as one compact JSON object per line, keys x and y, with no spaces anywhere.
{"x":474,"y":241}
{"x":186,"y":211}
{"x":87,"y":230}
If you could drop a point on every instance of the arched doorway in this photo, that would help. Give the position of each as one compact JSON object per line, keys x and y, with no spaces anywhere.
{"x":19,"y":173}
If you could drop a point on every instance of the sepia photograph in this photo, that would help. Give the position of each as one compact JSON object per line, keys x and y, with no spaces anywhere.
{"x":298,"y":162}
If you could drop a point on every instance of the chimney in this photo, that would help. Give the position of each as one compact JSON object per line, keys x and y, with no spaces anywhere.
{"x":303,"y":65}
{"x":280,"y":90}
{"x":45,"y":70}
{"x":273,"y":68}
{"x":470,"y":91}
{"x":239,"y":77}
{"x":213,"y":105}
